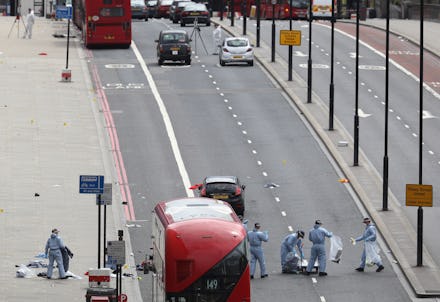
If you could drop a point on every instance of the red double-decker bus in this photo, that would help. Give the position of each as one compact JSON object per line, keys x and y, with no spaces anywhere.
{"x":103,"y":22}
{"x":199,"y":252}
{"x":280,"y":10}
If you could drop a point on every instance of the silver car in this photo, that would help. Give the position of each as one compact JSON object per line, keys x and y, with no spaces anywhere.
{"x":236,"y":49}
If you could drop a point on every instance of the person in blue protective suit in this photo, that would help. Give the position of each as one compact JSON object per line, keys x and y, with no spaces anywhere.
{"x":256,"y":237}
{"x":317,"y":237}
{"x":369,"y":235}
{"x":289,"y":243}
{"x":53,"y":247}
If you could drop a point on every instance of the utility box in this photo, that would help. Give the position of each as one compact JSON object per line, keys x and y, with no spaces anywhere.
{"x":100,"y":277}
{"x":105,"y":294}
{"x":99,"y":299}
{"x":66,"y":75}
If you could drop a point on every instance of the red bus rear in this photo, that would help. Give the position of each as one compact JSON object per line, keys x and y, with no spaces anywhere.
{"x":103,"y":22}
{"x":279,"y":11}
{"x":199,"y":252}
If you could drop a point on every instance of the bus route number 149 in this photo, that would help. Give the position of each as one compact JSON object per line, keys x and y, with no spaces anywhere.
{"x":212,"y":284}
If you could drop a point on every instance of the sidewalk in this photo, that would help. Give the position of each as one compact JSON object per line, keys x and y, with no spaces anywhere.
{"x":393,"y":224}
{"x":50,"y":133}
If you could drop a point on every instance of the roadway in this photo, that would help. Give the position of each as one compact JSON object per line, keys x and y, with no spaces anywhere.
{"x":234,"y":120}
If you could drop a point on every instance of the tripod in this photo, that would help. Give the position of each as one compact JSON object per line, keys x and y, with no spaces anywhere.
{"x":195,"y":33}
{"x":17,"y":21}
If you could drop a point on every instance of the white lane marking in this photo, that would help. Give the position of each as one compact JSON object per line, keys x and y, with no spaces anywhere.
{"x":322,"y":298}
{"x":264,"y":174}
{"x":167,"y":122}
{"x":277,"y":199}
{"x":283,"y":213}
{"x":229,"y":107}
{"x":244,"y":132}
{"x":259,"y":163}
{"x":314,"y":280}
{"x":398,"y":66}
{"x":221,"y":94}
{"x":239,"y":123}
{"x":254,"y":151}
{"x":249,"y":141}
{"x":427,"y":114}
{"x":361,"y":113}
{"x":290,"y":228}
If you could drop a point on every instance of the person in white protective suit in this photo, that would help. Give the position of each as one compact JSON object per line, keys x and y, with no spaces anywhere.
{"x":217,"y":37}
{"x":30,"y":20}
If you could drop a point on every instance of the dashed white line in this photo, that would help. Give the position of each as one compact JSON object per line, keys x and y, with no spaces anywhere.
{"x":249,"y":141}
{"x":259,"y":163}
{"x":214,"y":82}
{"x":225,"y":100}
{"x":217,"y":88}
{"x":239,"y":123}
{"x":229,"y":107}
{"x":431,"y":152}
{"x":264,"y":174}
{"x":244,"y":132}
{"x":283,"y":213}
{"x":221,"y":94}
{"x":398,"y":117}
{"x":322,"y":298}
{"x":290,"y":228}
{"x":254,"y":151}
{"x":406,"y":126}
{"x":415,"y":135}
{"x":314,"y":280}
{"x":277,"y":199}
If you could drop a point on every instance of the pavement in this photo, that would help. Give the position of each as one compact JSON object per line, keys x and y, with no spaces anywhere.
{"x":394,"y":226}
{"x":53,"y":131}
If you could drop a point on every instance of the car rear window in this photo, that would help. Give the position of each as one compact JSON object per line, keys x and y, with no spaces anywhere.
{"x":220,"y":188}
{"x":173,"y":38}
{"x":237,"y":43}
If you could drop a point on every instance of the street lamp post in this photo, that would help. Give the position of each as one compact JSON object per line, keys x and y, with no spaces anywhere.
{"x":232,"y":10}
{"x":273,"y":31}
{"x":356,"y":108}
{"x":290,"y":46}
{"x":387,"y":72}
{"x":332,"y":85}
{"x":258,"y":23}
{"x":420,"y":209}
{"x":244,"y":13}
{"x":309,"y":61}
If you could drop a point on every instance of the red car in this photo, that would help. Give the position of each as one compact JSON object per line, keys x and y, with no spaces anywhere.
{"x":163,"y":8}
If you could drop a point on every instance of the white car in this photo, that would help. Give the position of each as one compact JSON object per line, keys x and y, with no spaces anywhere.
{"x":236,"y":49}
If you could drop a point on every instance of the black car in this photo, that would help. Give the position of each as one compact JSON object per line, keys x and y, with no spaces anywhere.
{"x":138,"y":9}
{"x":151,"y":8}
{"x":176,"y":9}
{"x":195,"y":13}
{"x":226,"y":188}
{"x":173,"y":45}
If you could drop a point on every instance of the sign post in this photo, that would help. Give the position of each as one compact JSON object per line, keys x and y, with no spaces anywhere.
{"x":65,"y":12}
{"x":94,"y":184}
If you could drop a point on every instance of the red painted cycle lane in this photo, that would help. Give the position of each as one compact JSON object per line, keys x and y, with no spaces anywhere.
{"x":401,"y":51}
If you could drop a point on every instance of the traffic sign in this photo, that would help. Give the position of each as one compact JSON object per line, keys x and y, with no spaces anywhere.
{"x":91,"y":184}
{"x":122,"y":298}
{"x":116,"y":251}
{"x":419,"y":195}
{"x":63,"y":12}
{"x":290,"y":37}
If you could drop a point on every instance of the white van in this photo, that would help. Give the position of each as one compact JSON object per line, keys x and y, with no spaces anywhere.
{"x":322,"y":9}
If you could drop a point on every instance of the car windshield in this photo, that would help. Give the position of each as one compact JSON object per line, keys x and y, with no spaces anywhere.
{"x":237,"y":43}
{"x":168,"y":38}
{"x":166,"y":2}
{"x":220,"y":187}
{"x":196,"y":7}
{"x":152,"y":3}
{"x":137,"y":2}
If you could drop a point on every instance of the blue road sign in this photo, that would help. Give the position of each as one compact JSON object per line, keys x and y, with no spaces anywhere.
{"x":91,"y":184}
{"x":63,"y":12}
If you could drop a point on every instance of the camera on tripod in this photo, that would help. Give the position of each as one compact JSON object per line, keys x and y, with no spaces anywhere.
{"x":196,"y":24}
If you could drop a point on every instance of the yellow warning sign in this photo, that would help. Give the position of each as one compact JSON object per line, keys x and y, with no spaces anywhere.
{"x":419,"y":195}
{"x":290,"y":37}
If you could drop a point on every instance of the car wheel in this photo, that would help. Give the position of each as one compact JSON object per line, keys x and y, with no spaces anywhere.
{"x":174,"y":20}
{"x":251,"y":63}
{"x":182,"y":24}
{"x":208,"y":24}
{"x":188,"y":61}
{"x":222,"y":63}
{"x":160,"y":62}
